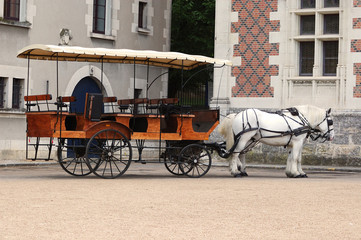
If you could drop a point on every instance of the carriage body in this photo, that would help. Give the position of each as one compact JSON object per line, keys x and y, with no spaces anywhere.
{"x":100,"y":141}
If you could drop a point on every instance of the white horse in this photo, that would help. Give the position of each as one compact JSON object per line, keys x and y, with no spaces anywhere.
{"x":290,"y":128}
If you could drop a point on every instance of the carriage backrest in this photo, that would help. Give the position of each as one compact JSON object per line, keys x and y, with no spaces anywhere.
{"x":37,"y":100}
{"x":93,"y":106}
{"x":110,"y":103}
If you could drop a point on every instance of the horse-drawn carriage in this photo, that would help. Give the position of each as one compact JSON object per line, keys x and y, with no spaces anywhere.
{"x":102,"y":139}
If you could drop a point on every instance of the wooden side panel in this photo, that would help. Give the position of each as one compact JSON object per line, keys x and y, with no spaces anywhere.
{"x":41,"y":124}
{"x":107,"y":125}
{"x":70,"y":134}
{"x":155,"y":136}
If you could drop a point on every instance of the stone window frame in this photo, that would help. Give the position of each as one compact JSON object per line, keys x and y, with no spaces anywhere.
{"x":319,"y":37}
{"x":27,"y":12}
{"x":148,"y":17}
{"x":3,"y":83}
{"x":111,"y":20}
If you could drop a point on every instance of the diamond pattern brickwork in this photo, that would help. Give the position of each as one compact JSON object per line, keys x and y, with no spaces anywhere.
{"x":357,"y":72}
{"x":253,"y":77}
{"x":356,"y":47}
{"x":356,"y":23}
{"x":357,"y":3}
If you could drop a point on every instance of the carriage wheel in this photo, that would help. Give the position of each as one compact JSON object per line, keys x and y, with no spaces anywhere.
{"x":171,"y":159}
{"x":194,"y":160}
{"x":71,"y":156}
{"x":108,"y":153}
{"x":173,"y":167}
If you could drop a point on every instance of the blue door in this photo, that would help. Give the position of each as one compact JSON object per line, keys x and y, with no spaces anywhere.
{"x":86,"y":85}
{"x":76,"y":147}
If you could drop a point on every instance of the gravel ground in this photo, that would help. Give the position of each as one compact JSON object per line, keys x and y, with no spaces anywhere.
{"x":43,"y":202}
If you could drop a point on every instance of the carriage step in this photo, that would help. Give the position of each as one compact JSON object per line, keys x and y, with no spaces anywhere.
{"x":40,"y":159}
{"x":141,"y":161}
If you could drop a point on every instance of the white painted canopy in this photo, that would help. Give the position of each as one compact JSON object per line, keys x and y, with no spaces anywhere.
{"x":153,"y":58}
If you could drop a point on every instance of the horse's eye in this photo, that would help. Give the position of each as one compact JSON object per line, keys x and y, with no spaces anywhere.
{"x":329,"y":122}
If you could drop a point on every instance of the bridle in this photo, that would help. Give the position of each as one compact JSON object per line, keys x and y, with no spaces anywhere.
{"x":316,"y":133}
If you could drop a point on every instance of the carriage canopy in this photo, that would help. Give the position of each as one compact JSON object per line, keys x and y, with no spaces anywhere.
{"x":146,"y":57}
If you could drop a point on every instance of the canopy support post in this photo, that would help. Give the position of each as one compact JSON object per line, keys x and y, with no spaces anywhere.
{"x":147,"y":78}
{"x":134,"y":80}
{"x":182,"y":76}
{"x":28,"y":78}
{"x":101,"y":76}
{"x":57,"y":75}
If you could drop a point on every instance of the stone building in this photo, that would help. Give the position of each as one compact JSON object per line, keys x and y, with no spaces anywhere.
{"x":133,"y":24}
{"x":293,"y":52}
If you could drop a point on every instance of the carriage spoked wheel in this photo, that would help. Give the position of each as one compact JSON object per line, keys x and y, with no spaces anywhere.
{"x":173,"y":167}
{"x":71,"y":156}
{"x":108,"y":153}
{"x":171,"y":159}
{"x":194,"y":160}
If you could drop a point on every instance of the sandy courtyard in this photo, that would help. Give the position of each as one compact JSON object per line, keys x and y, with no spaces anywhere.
{"x":149,"y":203}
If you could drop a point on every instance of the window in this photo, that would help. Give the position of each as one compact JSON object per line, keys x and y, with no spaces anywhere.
{"x":308,"y":4}
{"x":318,"y":37}
{"x":331,"y":3}
{"x":142,"y":15}
{"x":99,"y":15}
{"x":17,"y":90}
{"x":12,"y":9}
{"x":307,"y":60}
{"x":331,"y":24}
{"x":330,"y":58}
{"x":307,"y":25}
{"x":2,"y":92}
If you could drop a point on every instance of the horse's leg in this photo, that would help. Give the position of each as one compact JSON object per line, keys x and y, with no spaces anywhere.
{"x":292,"y":168}
{"x":289,"y":163}
{"x":238,"y":162}
{"x":299,"y":167}
{"x":242,"y":164}
{"x":233,"y":162}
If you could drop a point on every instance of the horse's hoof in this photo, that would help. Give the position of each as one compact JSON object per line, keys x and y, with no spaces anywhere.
{"x":301,"y":176}
{"x":244,"y":174}
{"x":238,"y":175}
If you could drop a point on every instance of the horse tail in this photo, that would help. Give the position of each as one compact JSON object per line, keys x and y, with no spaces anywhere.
{"x":225,"y":129}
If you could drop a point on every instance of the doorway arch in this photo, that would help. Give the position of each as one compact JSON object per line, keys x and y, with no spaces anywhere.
{"x":92,"y":72}
{"x":85,"y":85}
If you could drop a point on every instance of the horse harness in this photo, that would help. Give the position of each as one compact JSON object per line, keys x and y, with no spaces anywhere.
{"x":305,"y":127}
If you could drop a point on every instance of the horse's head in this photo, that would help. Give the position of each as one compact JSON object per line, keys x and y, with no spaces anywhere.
{"x":325,"y":128}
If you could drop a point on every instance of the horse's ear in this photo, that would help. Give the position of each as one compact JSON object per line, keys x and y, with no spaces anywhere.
{"x":328,"y":111}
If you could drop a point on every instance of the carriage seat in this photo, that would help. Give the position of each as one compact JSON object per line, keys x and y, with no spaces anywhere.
{"x":37,"y":100}
{"x":64,"y":102}
{"x":132,"y":105}
{"x":156,"y":103}
{"x":109,"y":102}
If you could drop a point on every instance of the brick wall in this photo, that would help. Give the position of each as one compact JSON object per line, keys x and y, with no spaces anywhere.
{"x":253,"y":77}
{"x":356,"y":47}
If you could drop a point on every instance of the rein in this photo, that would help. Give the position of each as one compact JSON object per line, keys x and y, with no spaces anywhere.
{"x":316,"y":134}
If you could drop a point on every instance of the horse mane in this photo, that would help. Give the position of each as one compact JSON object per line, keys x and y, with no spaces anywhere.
{"x":313,"y":114}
